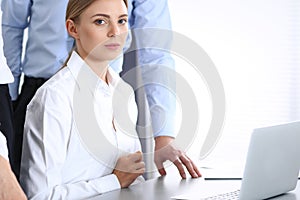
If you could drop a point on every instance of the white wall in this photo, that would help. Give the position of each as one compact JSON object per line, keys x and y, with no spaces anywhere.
{"x":255,"y":46}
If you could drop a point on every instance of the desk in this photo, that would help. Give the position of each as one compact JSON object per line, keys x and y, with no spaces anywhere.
{"x":163,"y":188}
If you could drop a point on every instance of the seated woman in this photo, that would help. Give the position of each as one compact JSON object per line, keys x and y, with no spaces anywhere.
{"x":74,"y":146}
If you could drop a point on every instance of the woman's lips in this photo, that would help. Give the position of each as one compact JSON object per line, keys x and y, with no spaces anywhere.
{"x":112,"y":46}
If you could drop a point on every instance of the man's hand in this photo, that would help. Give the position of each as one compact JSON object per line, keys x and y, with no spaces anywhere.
{"x":9,"y":186}
{"x":128,"y":168}
{"x":164,"y":150}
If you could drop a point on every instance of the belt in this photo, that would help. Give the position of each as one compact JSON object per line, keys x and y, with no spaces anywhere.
{"x":34,"y":81}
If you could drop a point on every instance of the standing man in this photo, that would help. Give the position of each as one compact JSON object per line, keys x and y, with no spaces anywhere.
{"x":47,"y":48}
{"x":9,"y":187}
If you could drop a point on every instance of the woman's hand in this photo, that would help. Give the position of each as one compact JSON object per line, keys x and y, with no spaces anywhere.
{"x":129,"y":167}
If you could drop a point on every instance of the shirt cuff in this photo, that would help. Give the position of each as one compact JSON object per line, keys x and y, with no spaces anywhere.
{"x":14,"y":88}
{"x":108,"y":183}
{"x":3,"y":147}
{"x":139,"y":179}
{"x":163,"y":122}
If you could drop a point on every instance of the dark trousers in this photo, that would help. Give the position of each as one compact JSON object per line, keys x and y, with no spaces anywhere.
{"x":6,"y":117}
{"x":29,"y":88}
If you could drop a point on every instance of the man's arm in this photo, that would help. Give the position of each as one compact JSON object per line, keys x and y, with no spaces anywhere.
{"x":15,"y":19}
{"x":151,"y":27}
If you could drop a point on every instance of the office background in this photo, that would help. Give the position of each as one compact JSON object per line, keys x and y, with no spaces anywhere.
{"x":255,"y":46}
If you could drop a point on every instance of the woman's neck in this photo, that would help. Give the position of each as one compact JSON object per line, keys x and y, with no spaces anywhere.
{"x":99,"y":67}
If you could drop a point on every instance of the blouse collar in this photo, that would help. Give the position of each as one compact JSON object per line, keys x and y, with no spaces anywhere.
{"x":84,"y":75}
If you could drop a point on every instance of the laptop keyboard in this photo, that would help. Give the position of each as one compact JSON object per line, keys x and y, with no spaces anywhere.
{"x":225,"y":196}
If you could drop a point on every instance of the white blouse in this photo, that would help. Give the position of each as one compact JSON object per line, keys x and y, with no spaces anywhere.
{"x":64,"y":157}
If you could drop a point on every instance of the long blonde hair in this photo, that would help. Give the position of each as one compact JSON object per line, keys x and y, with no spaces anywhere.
{"x":74,"y":9}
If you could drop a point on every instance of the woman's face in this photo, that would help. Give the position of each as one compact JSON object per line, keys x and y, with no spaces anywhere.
{"x":102,"y":30}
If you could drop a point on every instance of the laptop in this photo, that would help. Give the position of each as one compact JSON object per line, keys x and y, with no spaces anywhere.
{"x":272,"y":164}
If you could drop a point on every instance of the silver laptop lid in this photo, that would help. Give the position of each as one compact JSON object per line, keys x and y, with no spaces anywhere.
{"x":273,"y":161}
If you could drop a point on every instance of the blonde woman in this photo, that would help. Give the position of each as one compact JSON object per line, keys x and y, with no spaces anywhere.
{"x":56,"y":161}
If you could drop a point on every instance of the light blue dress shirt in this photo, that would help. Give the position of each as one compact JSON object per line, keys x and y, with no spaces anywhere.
{"x":48,"y":46}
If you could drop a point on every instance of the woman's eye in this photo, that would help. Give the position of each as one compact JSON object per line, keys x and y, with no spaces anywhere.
{"x":100,"y":22}
{"x":122,"y":21}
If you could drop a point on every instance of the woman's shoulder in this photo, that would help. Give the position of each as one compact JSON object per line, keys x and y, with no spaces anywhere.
{"x":57,"y":89}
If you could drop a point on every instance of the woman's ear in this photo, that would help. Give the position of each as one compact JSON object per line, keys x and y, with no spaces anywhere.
{"x":71,"y":28}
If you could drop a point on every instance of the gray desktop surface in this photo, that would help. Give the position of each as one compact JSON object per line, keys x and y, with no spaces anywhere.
{"x":157,"y":188}
{"x":172,"y":185}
